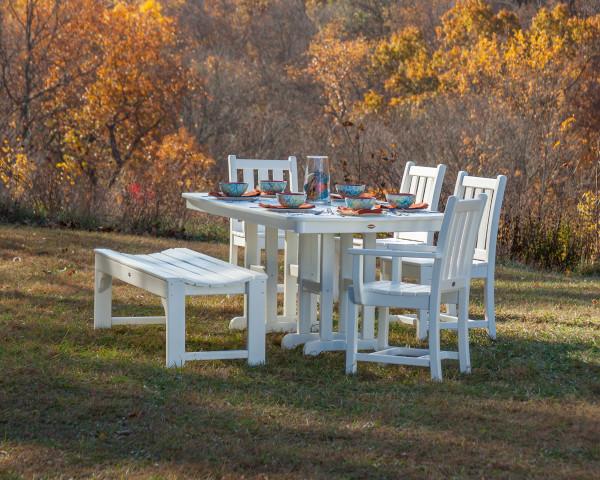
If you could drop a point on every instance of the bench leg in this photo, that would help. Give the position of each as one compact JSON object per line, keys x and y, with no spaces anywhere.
{"x":256,"y":295}
{"x":102,"y":300}
{"x":174,"y":306}
{"x":256,"y":311}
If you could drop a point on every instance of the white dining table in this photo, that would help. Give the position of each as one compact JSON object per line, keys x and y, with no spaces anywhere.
{"x":312,"y":235}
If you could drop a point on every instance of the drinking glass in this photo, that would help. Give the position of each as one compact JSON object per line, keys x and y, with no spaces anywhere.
{"x":317,"y":179}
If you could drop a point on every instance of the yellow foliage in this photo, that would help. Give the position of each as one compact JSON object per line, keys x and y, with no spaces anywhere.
{"x":339,"y":67}
{"x":405,"y":62}
{"x":16,"y":170}
{"x":589,"y":212}
{"x":137,"y":85}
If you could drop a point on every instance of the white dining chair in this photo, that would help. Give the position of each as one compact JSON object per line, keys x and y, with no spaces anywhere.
{"x":426,"y":184}
{"x":251,"y":171}
{"x":450,"y":284}
{"x":484,"y":257}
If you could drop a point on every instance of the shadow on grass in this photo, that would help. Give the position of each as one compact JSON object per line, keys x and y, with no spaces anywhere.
{"x":294,"y":415}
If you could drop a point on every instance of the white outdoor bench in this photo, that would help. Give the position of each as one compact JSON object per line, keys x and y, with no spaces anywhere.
{"x":173,"y":274}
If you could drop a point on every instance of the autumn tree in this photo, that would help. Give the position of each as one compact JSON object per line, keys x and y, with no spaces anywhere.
{"x":338,"y":66}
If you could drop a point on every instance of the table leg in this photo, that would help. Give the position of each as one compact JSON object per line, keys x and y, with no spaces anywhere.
{"x":368,"y":329}
{"x":251,"y":258}
{"x":346,"y":242}
{"x":275,"y":323}
{"x":328,"y":340}
{"x":290,"y":282}
{"x":308,"y":258}
{"x":327,"y":272}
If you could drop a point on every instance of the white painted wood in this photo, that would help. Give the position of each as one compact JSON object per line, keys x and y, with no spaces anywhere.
{"x":450,"y":280}
{"x":368,"y":326}
{"x":255,"y":295}
{"x":156,"y":320}
{"x":102,"y":299}
{"x":351,"y":326}
{"x":308,"y":226}
{"x":272,"y":272}
{"x":263,"y":170}
{"x":426,"y":183}
{"x":172,"y":275}
{"x":483,"y":264}
{"x":310,"y":223}
{"x":326,"y":282}
{"x":174,"y":306}
{"x":290,"y":275}
{"x":223,"y":355}
{"x":308,"y":271}
{"x":345,"y":275}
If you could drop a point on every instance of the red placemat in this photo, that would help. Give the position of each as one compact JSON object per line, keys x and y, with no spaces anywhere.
{"x":363,"y":211}
{"x":304,"y":206}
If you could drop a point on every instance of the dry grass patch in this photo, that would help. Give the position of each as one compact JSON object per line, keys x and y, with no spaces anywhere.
{"x":80,"y":403}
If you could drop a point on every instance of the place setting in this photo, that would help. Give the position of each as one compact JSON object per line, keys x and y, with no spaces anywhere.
{"x":358,"y":202}
{"x":234,"y":192}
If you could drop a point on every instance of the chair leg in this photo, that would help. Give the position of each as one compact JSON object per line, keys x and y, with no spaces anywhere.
{"x":255,"y":297}
{"x":174,"y":306}
{"x":102,"y":300}
{"x":233,"y":251}
{"x":464,"y":355}
{"x":435,"y":361}
{"x":383,"y":329}
{"x":351,"y":334}
{"x":422,"y":319}
{"x":488,"y":301}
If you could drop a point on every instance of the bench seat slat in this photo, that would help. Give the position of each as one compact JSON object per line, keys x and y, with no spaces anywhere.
{"x":132,"y":261}
{"x":188,"y":260}
{"x":193,"y":268}
{"x":148,"y":263}
{"x":188,"y":271}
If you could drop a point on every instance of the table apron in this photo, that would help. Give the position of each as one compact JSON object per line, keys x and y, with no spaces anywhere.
{"x":318,"y":224}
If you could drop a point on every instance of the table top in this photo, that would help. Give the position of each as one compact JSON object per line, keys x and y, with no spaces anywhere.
{"x":321,"y":219}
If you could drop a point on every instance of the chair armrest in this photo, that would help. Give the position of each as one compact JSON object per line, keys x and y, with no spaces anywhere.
{"x":394,"y":253}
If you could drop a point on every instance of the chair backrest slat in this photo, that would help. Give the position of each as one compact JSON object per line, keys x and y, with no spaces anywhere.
{"x":258,"y":169}
{"x":253,"y":169}
{"x":457,"y":239}
{"x":426,"y":184}
{"x":468,"y":187}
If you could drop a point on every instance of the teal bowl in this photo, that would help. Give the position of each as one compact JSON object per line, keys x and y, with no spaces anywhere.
{"x":291,"y":200}
{"x":350,"y":190}
{"x":271,"y":187}
{"x":360,"y":203}
{"x":233,"y":189}
{"x":400,"y":200}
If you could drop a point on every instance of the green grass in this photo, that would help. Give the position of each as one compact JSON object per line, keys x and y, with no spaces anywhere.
{"x":80,"y":403}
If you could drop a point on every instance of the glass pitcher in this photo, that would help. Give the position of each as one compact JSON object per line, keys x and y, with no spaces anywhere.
{"x":317,"y":179}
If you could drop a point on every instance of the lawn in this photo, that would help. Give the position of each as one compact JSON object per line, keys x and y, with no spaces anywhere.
{"x":79,"y":403}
